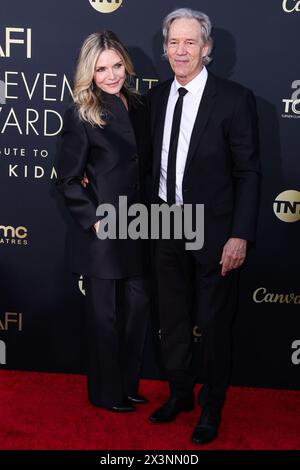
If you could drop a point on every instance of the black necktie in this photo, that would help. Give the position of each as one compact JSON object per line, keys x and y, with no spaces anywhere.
{"x":171,"y":171}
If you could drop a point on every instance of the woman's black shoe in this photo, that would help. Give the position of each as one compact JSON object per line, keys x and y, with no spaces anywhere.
{"x":124,"y":408}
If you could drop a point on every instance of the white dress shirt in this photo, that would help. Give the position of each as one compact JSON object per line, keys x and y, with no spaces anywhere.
{"x":190,"y":107}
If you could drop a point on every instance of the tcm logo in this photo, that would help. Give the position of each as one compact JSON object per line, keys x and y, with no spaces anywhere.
{"x":287,"y":206}
{"x":106,"y":6}
{"x":295,"y":358}
{"x":290,"y":6}
{"x":2,"y":353}
{"x":292,"y":105}
{"x":14,"y":37}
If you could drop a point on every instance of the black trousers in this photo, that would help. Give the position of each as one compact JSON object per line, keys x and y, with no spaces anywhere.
{"x":117,"y":313}
{"x":194,"y":296}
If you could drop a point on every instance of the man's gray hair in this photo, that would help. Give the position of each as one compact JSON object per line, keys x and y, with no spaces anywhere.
{"x":205,"y":26}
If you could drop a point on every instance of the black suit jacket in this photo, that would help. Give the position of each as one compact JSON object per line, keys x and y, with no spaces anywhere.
{"x":110,"y":160}
{"x":222,"y":167}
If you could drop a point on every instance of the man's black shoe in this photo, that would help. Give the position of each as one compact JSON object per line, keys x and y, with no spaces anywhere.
{"x":123,"y":408}
{"x":207,"y":427}
{"x":172,"y":408}
{"x":137,"y":399}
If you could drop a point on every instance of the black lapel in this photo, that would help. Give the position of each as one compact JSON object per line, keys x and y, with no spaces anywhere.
{"x":158,"y":124}
{"x":206,"y":105}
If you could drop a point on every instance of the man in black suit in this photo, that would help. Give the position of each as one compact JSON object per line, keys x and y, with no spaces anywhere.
{"x":205,"y":151}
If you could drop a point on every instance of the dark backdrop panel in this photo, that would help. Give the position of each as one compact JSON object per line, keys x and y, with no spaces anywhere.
{"x":41,"y":319}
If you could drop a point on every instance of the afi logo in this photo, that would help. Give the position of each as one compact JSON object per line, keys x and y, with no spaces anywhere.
{"x":12,"y":319}
{"x":290,"y":6}
{"x":16,"y":36}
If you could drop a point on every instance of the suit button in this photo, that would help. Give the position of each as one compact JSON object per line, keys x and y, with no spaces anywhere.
{"x":135,"y":186}
{"x":135,"y":157}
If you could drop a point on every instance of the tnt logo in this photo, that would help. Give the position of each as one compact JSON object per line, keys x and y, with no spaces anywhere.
{"x":287,"y":206}
{"x":106,"y":6}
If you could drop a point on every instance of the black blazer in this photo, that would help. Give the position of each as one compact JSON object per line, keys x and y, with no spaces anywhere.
{"x":222,"y":167}
{"x":110,"y":160}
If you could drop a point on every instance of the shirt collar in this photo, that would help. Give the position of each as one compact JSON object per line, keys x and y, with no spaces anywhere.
{"x":194,"y":86}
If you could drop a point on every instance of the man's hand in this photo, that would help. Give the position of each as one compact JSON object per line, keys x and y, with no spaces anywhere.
{"x":234,"y":254}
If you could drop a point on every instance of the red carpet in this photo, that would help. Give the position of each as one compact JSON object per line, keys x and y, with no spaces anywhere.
{"x":51,"y":411}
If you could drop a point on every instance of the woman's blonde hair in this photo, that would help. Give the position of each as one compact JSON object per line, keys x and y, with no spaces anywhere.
{"x":87,"y":95}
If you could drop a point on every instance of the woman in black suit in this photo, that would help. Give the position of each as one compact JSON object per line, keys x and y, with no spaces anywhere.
{"x":99,"y":142}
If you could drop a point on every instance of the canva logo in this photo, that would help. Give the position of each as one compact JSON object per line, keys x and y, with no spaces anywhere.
{"x":106,"y":6}
{"x":290,"y":6}
{"x":287,"y":206}
{"x":261,"y":295}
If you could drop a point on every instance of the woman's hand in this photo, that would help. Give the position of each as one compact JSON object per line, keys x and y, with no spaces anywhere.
{"x":84,"y":181}
{"x":96,"y":226}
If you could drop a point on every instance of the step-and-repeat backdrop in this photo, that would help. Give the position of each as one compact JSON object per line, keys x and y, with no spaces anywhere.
{"x":41,"y":317}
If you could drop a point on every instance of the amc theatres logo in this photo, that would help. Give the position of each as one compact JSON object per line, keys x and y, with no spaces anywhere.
{"x":290,"y":6}
{"x":106,"y":6}
{"x":10,"y":235}
{"x":292,"y":104}
{"x":287,"y":206}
